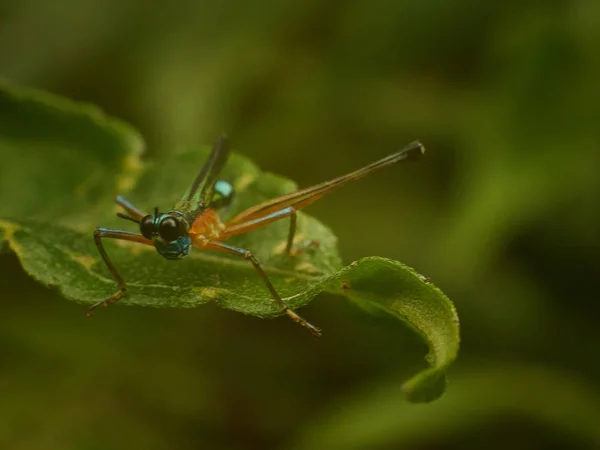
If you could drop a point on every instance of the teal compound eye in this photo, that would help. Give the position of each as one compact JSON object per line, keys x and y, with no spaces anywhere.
{"x":223,"y":195}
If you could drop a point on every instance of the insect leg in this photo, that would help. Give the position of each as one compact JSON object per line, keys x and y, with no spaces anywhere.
{"x":258,"y":222}
{"x":99,"y":234}
{"x":292,"y":232}
{"x":218,"y":246}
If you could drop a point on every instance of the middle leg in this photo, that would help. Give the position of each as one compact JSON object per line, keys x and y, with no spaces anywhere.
{"x":219,"y":246}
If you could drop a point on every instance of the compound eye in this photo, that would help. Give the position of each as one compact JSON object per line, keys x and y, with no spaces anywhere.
{"x":223,"y":194}
{"x":147,"y":226}
{"x":171,"y":229}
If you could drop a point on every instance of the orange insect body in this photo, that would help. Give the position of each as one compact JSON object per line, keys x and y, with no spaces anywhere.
{"x":207,"y":227}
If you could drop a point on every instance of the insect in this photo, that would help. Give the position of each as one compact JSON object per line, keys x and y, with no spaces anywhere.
{"x":194,"y":221}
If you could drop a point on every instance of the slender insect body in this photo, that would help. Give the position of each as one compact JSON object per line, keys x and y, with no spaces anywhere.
{"x":195,"y":222}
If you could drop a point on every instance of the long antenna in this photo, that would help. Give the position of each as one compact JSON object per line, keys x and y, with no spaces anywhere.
{"x":126,"y":217}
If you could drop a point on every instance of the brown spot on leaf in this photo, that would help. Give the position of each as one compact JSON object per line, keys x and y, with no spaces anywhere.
{"x":307,"y":267}
{"x":85,"y":260}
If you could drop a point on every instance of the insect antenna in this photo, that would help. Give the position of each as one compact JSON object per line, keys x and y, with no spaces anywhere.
{"x":126,"y":217}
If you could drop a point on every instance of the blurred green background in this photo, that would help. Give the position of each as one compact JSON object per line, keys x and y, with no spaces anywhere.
{"x":503,"y":214}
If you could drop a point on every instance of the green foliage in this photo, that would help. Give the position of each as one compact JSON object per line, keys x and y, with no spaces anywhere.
{"x":503,"y":214}
{"x":76,"y":158}
{"x":72,"y":155}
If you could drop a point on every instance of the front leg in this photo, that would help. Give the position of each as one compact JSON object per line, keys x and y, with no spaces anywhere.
{"x":100,"y":233}
{"x":219,"y":246}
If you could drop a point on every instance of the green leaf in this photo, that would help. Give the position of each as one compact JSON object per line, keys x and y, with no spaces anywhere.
{"x":70,"y":159}
{"x":61,"y":161}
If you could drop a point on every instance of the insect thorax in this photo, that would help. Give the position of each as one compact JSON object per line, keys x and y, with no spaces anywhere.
{"x":208,"y":224}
